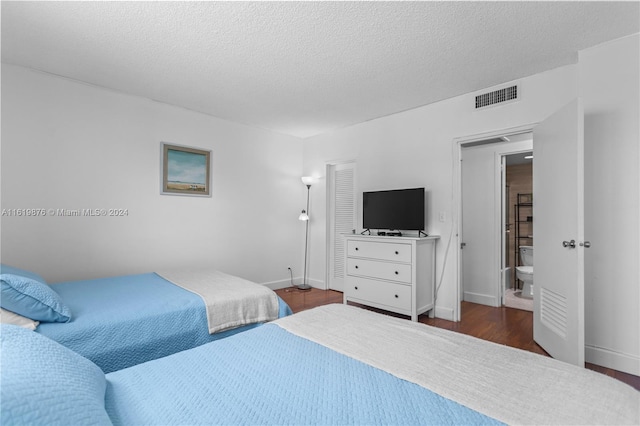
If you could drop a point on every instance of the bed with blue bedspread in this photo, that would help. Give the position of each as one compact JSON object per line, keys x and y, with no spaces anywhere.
{"x":123,"y":321}
{"x":330,"y":365}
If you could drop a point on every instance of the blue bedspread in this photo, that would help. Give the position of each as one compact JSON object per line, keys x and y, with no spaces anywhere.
{"x":271,"y":376}
{"x":123,"y":321}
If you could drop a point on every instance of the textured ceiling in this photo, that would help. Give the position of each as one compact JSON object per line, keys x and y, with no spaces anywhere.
{"x":304,"y":68}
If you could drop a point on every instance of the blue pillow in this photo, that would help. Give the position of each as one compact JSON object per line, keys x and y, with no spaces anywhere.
{"x":31,"y":297}
{"x":45,"y":383}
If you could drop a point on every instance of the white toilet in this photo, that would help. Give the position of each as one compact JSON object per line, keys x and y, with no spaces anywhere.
{"x":525,"y":271}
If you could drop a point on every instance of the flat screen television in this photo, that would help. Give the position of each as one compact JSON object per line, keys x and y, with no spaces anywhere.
{"x":398,"y":209}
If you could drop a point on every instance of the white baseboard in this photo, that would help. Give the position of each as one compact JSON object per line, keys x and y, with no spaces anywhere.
{"x":610,"y":359}
{"x":444,"y":313}
{"x":482,"y":299}
{"x":317,"y":284}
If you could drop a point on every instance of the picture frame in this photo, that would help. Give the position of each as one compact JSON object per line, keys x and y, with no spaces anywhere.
{"x":185,"y":170}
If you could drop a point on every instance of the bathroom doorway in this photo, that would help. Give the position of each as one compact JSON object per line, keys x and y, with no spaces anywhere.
{"x":483,"y":274}
{"x":517,"y":245}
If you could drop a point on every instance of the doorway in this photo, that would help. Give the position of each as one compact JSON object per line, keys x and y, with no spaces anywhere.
{"x":558,"y":179}
{"x":484,"y":247}
{"x":558,"y":311}
{"x":518,"y":230}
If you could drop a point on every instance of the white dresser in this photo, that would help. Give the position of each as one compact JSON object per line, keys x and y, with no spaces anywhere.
{"x":392,"y":273}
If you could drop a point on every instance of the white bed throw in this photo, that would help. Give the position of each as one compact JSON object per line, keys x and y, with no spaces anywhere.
{"x":510,"y":385}
{"x":230,"y":301}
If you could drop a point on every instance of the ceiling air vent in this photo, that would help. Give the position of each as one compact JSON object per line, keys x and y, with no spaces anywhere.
{"x":497,"y":97}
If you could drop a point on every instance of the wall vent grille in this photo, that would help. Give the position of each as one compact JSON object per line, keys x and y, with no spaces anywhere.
{"x":497,"y":97}
{"x":553,"y":311}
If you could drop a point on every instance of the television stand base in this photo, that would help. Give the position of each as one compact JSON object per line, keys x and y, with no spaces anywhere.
{"x":390,"y":233}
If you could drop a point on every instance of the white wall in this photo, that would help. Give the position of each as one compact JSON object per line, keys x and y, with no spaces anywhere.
{"x":67,"y":145}
{"x":415,"y":148}
{"x":610,"y":87}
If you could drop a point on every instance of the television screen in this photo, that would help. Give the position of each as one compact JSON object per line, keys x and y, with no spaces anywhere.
{"x":399,"y":209}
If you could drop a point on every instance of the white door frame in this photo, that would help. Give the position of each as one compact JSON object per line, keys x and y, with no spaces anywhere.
{"x":457,"y":198}
{"x":504,"y":205}
{"x":501,"y":178}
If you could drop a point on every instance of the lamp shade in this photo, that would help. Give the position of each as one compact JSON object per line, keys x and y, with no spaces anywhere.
{"x":308,"y":180}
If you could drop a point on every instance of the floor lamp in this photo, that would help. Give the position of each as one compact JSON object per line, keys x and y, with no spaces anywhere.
{"x":307,"y":180}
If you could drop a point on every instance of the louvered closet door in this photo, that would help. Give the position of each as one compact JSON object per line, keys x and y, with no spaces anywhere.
{"x":342,"y":219}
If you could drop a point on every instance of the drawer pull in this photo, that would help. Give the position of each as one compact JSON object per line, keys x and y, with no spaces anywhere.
{"x":396,"y":296}
{"x":397,"y":252}
{"x":356,"y":287}
{"x":396,"y":272}
{"x":356,"y":266}
{"x":357,"y":249}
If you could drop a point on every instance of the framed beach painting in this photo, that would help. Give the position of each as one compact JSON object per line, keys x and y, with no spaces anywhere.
{"x":185,"y":170}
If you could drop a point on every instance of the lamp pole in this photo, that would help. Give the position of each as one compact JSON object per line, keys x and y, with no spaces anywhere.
{"x":305,"y":285}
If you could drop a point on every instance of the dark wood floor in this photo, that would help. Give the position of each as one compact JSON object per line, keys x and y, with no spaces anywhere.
{"x":507,"y":326}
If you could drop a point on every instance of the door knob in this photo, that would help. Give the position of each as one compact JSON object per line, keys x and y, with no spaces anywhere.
{"x":586,"y":244}
{"x":570,"y":244}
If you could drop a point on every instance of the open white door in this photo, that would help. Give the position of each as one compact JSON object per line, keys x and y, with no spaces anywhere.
{"x":558,"y":214}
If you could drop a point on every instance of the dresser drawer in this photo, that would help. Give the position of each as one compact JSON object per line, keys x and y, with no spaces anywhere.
{"x":382,"y":270}
{"x":397,"y":252}
{"x":397,"y":296}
